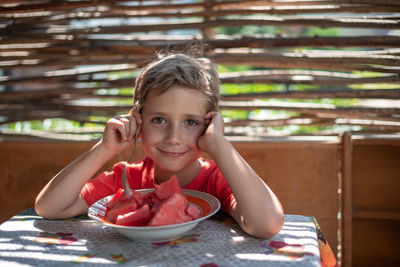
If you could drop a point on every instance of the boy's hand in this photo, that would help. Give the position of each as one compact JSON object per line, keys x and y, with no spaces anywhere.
{"x":213,"y":132}
{"x":120,"y":132}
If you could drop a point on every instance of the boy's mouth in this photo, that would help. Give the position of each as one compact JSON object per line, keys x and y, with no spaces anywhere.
{"x":171,"y":153}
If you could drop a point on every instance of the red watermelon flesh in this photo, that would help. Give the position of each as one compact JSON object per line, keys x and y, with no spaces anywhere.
{"x":116,"y":198}
{"x":193,"y":211}
{"x":140,"y":198}
{"x":171,"y":211}
{"x":122,"y":207}
{"x":168,"y":188}
{"x":167,"y":204}
{"x":152,"y":199}
{"x":138,"y":217}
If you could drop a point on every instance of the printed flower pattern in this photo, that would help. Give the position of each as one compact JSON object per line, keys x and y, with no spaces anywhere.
{"x":55,"y":239}
{"x":174,"y":243}
{"x":293,"y":251}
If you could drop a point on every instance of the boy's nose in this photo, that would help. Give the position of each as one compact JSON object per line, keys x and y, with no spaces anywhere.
{"x":173,"y":135}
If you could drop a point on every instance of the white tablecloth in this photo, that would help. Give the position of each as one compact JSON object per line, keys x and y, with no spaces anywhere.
{"x":30,"y":240}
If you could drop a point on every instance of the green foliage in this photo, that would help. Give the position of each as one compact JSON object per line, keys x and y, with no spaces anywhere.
{"x":224,"y":68}
{"x":247,"y":30}
{"x":45,"y":125}
{"x":235,"y":114}
{"x":314,"y":31}
{"x":381,"y":86}
{"x":233,"y":89}
{"x":226,"y":89}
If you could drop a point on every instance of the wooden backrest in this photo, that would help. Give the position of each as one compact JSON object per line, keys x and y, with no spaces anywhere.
{"x":371,"y":217}
{"x":302,"y":172}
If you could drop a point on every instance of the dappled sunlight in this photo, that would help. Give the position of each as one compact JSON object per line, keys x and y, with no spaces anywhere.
{"x":32,"y":240}
{"x":51,"y":258}
{"x":233,"y":231}
{"x":209,"y":255}
{"x":238,"y":238}
{"x":258,"y":257}
{"x":10,"y":246}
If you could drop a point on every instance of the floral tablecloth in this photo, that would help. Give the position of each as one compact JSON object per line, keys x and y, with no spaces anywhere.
{"x":28,"y":240}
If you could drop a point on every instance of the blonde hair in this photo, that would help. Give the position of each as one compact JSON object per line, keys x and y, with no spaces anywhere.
{"x":178,"y":69}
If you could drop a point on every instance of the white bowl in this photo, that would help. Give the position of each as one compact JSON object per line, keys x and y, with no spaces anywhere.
{"x":208,"y":204}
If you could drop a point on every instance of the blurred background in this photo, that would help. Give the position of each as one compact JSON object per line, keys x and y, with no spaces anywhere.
{"x":287,"y":67}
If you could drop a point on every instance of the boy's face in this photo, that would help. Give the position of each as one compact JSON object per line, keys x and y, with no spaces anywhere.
{"x":172,"y":123}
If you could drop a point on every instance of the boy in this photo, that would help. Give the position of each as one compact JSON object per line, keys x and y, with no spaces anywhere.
{"x":176,"y":116}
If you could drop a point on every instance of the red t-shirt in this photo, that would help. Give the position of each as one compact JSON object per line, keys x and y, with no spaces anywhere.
{"x":141,"y":175}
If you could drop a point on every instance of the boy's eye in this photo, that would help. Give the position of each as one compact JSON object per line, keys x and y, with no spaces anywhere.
{"x":191,"y":122}
{"x":158,"y":120}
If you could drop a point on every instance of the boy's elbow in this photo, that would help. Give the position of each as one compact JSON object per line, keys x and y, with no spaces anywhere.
{"x":51,"y":211}
{"x":272,"y":227}
{"x":276,"y":225}
{"x":42,"y":210}
{"x":46,"y":214}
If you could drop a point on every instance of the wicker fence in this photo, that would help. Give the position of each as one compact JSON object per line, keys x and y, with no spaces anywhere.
{"x":55,"y":55}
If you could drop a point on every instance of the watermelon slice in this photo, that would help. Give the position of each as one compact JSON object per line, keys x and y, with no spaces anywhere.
{"x":122,"y":207}
{"x":193,"y":211}
{"x":152,"y":199}
{"x":119,"y":195}
{"x":168,"y":188}
{"x":171,"y":211}
{"x":140,"y":198}
{"x":167,"y":204}
{"x":138,"y":217}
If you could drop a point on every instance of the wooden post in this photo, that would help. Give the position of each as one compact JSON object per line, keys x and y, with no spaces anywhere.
{"x":347,"y":203}
{"x":208,"y":32}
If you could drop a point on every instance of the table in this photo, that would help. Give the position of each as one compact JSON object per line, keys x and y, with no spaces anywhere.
{"x":29,"y":240}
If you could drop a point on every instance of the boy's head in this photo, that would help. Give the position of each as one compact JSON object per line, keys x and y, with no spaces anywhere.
{"x":178,"y":69}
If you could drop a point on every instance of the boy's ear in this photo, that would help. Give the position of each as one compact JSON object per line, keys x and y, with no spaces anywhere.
{"x":132,"y":113}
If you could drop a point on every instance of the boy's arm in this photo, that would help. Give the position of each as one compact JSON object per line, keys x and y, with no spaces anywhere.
{"x":61,"y":197}
{"x":257,"y":209}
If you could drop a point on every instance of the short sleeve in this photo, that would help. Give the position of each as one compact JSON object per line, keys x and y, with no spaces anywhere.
{"x":218,"y":187}
{"x":139,"y":174}
{"x":103,"y":185}
{"x":210,"y":180}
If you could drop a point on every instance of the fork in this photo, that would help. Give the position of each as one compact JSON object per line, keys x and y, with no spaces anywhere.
{"x":124,"y":180}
